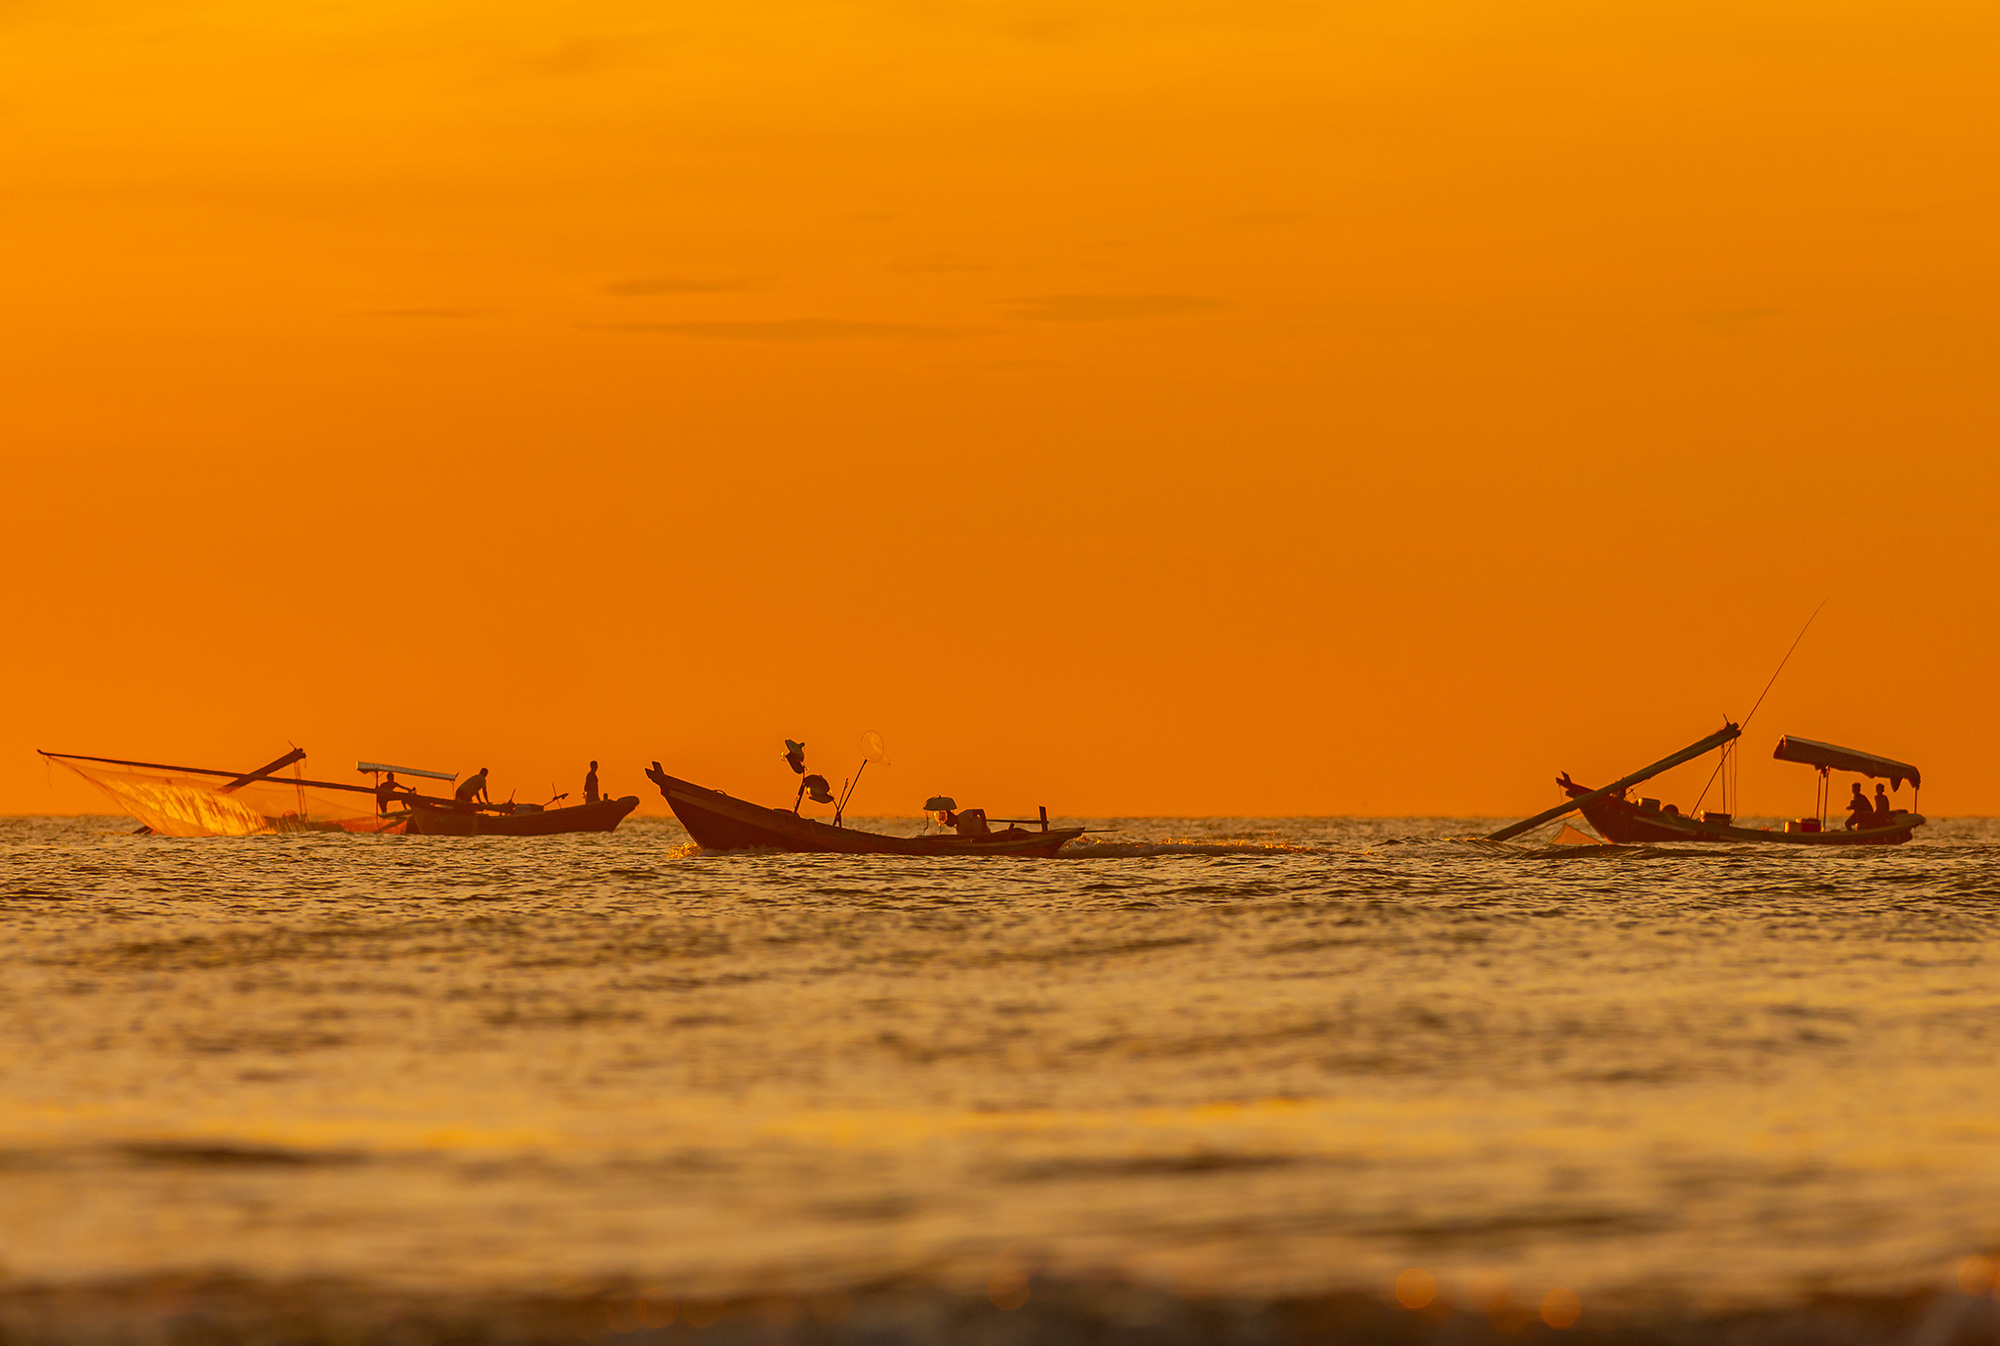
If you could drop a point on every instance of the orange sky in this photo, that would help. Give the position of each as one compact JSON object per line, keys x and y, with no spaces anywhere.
{"x":1170,"y":407}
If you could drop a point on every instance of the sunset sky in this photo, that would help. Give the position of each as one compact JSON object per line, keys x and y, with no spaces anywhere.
{"x":1173,"y":407}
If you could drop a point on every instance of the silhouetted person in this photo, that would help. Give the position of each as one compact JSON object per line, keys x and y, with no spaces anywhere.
{"x":387,"y":791}
{"x":1884,"y":811}
{"x":474,"y":787}
{"x":590,"y":785}
{"x":1859,"y":811}
{"x":968,"y":822}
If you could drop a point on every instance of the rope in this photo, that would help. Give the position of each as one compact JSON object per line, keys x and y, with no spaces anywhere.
{"x":1744,"y":728}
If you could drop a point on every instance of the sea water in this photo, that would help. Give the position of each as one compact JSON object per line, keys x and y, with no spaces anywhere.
{"x":1201,"y":1079}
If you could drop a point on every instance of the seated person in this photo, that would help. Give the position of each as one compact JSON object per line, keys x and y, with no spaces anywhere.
{"x":388,"y":790}
{"x":1885,"y":812}
{"x":1860,"y":813}
{"x":969,"y":822}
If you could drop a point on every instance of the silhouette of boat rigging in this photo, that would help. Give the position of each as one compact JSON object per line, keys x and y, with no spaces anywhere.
{"x":189,"y":801}
{"x":1626,"y":822}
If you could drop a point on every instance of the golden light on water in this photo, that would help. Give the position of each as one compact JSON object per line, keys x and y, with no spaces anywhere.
{"x":1491,"y":1292}
{"x":1415,"y":1288}
{"x":1975,"y":1275}
{"x":1561,"y":1308}
{"x":829,"y":1308}
{"x":1008,"y":1289}
{"x":640,"y":1312}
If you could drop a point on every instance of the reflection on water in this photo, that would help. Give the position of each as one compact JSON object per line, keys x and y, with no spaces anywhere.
{"x":1206,"y":1063}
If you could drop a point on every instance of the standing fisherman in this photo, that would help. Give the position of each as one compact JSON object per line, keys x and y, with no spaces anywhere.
{"x":590,"y":795}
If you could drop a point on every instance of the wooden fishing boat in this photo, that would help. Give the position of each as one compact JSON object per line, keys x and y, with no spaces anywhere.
{"x":428,"y":818}
{"x":718,"y":822}
{"x":1646,"y":821}
{"x":185,"y":801}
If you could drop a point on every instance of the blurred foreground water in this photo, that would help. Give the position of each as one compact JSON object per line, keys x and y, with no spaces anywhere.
{"x":1209,"y":1080}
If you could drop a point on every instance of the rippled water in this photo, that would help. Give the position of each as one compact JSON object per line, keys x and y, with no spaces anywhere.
{"x":1241,"y":1062}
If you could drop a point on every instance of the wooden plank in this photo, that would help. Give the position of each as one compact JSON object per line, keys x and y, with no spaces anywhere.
{"x":278,"y":764}
{"x":1687,"y":754}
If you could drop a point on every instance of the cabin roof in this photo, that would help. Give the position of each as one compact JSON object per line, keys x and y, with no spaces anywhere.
{"x":1813,"y":753}
{"x":406,"y":770}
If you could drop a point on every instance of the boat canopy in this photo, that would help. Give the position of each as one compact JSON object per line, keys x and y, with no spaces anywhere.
{"x":1828,"y":755}
{"x":406,"y":770}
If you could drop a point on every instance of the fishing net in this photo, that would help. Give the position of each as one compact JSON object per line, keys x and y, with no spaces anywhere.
{"x":178,"y":802}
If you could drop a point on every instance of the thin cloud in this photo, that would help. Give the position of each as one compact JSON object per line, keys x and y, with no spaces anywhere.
{"x":1266,"y":217}
{"x":940,"y":262}
{"x":788,"y":330}
{"x":455,"y":313}
{"x":590,"y":53}
{"x":640,"y":286}
{"x":1114,"y":307}
{"x":1731,"y":321}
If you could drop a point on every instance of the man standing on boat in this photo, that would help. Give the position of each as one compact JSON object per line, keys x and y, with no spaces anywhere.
{"x":386,"y":792}
{"x":590,"y":795}
{"x":474,"y":787}
{"x":1860,"y":813}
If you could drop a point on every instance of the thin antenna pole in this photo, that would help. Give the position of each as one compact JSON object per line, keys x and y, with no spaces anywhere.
{"x":848,"y":793}
{"x":1760,"y":701}
{"x":1782,"y":662}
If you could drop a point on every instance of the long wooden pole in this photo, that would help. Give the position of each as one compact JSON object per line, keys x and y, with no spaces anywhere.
{"x":275,"y":764}
{"x":211,"y":771}
{"x":848,"y":793}
{"x":1689,"y":753}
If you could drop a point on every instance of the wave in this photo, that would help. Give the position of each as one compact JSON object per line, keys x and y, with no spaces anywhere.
{"x":1085,"y":848}
{"x":1015,"y":1306}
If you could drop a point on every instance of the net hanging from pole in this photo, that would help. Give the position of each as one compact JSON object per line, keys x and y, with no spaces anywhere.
{"x":177,"y":803}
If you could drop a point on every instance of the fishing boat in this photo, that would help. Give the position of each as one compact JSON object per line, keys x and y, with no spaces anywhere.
{"x":185,"y":801}
{"x":434,"y":818}
{"x":1621,"y":819}
{"x":427,"y":816}
{"x":718,"y":822}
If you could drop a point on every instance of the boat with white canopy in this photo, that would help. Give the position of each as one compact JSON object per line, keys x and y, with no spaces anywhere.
{"x":1620,"y":818}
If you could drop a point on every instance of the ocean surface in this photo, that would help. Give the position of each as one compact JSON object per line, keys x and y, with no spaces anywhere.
{"x":1204,"y":1080}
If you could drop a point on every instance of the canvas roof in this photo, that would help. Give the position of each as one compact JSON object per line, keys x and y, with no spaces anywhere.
{"x":1813,"y":753}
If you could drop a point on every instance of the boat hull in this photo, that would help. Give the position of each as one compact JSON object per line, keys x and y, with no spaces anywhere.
{"x":1627,"y":824}
{"x":718,"y":822}
{"x":427,"y":820}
